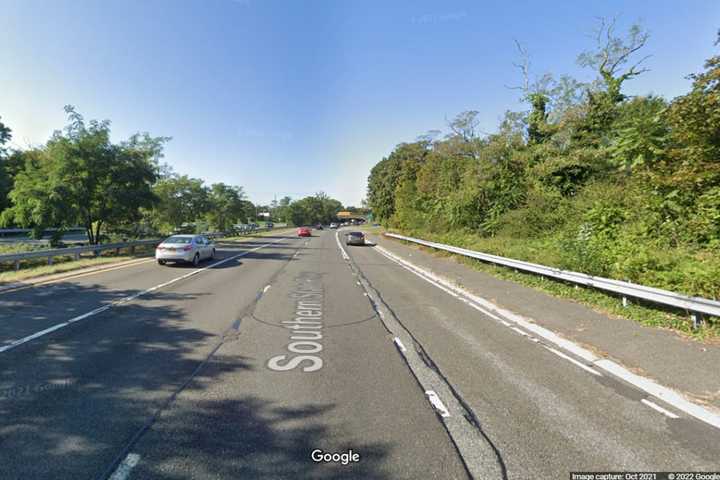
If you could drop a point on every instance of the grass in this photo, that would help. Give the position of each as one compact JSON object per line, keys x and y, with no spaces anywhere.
{"x":33,"y":272}
{"x":647,"y":314}
{"x":8,"y":248}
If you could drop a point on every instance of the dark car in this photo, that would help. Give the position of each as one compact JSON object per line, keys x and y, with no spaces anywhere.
{"x":319,"y":227}
{"x":355,"y":238}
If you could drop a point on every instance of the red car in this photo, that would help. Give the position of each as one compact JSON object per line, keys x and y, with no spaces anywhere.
{"x":304,"y":232}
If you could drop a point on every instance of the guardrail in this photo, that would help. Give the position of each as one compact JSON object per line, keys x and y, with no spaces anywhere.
{"x":73,"y":251}
{"x":695,"y":306}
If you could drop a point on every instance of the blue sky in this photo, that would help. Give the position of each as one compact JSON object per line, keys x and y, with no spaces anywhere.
{"x":294,"y":97}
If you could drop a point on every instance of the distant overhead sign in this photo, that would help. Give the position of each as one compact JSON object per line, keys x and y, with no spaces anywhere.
{"x":344,"y":214}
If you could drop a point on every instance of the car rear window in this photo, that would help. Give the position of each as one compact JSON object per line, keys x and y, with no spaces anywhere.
{"x":178,"y":240}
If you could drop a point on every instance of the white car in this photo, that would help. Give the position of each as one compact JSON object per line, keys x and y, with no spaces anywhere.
{"x":185,"y":248}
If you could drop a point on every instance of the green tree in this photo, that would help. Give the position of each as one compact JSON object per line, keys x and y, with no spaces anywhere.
{"x":181,"y":200}
{"x":610,"y":59}
{"x":387,"y":175}
{"x":226,"y":206}
{"x":80,"y":178}
{"x":6,"y":177}
{"x":640,"y":133}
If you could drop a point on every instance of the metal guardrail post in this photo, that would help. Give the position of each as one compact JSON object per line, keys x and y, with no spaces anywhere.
{"x":698,"y":319}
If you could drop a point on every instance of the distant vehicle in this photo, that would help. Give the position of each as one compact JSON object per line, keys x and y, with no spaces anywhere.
{"x":355,"y":238}
{"x":269,"y":225}
{"x":333,"y":225}
{"x":304,"y":232}
{"x":185,"y":248}
{"x":319,"y":227}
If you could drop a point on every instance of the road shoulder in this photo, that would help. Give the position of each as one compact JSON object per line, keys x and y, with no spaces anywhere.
{"x":677,"y":362}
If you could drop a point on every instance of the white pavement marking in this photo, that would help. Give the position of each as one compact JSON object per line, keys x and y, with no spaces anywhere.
{"x":123,"y":470}
{"x":657,"y":407}
{"x":20,"y":341}
{"x":519,"y":331}
{"x":437,"y":403}
{"x":342,"y":250}
{"x":267,"y":287}
{"x":400,"y":345}
{"x":647,"y":385}
{"x":570,"y":359}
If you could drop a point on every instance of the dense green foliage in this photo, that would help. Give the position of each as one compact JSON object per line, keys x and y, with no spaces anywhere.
{"x":80,"y":178}
{"x":587,"y":179}
{"x":312,"y":210}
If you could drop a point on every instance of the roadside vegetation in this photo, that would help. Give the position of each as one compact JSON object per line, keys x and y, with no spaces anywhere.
{"x":587,"y":178}
{"x":116,"y":191}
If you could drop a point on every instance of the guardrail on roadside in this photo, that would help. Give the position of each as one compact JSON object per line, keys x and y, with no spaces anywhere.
{"x":74,"y":251}
{"x":695,"y":306}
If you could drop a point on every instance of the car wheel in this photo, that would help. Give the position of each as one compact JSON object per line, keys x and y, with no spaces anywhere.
{"x":161,"y":262}
{"x":196,"y":260}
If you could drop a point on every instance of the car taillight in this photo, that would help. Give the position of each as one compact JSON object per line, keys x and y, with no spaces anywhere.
{"x":188,"y":248}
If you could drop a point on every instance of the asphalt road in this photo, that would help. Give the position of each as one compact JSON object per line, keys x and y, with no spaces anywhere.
{"x":244,"y":367}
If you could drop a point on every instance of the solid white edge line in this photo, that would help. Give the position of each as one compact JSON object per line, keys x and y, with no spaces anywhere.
{"x":519,"y":331}
{"x":122,"y":301}
{"x":657,"y":407}
{"x":570,"y":359}
{"x":488,"y":307}
{"x":663,"y":393}
{"x":342,"y":250}
{"x":647,"y":385}
{"x":122,"y":472}
{"x":437,"y":403}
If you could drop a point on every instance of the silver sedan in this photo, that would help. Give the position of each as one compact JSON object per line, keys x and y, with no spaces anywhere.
{"x":185,"y":248}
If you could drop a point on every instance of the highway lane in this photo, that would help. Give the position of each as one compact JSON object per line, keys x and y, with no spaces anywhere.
{"x":242,"y":370}
{"x":546,"y":415}
{"x":361,"y":396}
{"x":29,"y":310}
{"x":70,"y":400}
{"x":181,"y":378}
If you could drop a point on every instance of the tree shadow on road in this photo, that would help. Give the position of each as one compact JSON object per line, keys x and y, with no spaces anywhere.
{"x":250,"y":438}
{"x":71,"y":400}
